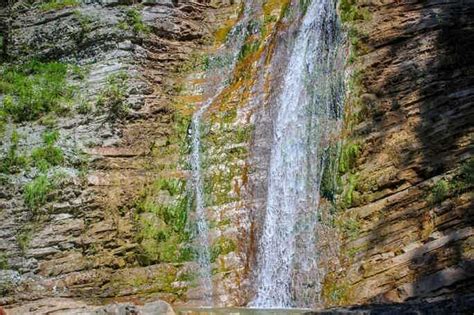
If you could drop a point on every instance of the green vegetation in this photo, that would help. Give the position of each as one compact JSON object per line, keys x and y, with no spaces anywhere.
{"x":113,"y":97}
{"x":48,"y":155}
{"x":162,"y":235}
{"x":467,"y":172}
{"x":350,"y":11}
{"x":304,"y":4}
{"x":351,"y":228}
{"x":222,"y":246}
{"x":249,"y":48}
{"x":349,"y":154}
{"x":36,"y":192}
{"x":334,"y":293}
{"x":134,"y":21}
{"x":439,"y":192}
{"x":58,"y":4}
{"x":23,"y":239}
{"x":34,"y":89}
{"x":13,"y":162}
{"x":85,"y":23}
{"x":3,"y":261}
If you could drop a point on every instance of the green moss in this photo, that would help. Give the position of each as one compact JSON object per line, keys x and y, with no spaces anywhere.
{"x":113,"y":97}
{"x":222,"y":246}
{"x":13,"y":162}
{"x":34,"y":89}
{"x":57,"y":4}
{"x":134,"y":21}
{"x":348,"y":157}
{"x":36,"y":192}
{"x":162,"y":226}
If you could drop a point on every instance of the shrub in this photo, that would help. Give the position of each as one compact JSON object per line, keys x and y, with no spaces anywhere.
{"x":36,"y":192}
{"x":34,"y":89}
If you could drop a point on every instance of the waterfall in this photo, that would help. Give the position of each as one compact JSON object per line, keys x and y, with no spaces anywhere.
{"x":229,"y":53}
{"x":308,"y":113}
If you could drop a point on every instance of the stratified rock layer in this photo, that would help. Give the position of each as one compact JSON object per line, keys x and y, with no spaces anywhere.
{"x":409,"y":226}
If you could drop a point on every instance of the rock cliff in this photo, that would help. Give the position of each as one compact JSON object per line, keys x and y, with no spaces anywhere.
{"x":407,"y":159}
{"x":94,"y":180}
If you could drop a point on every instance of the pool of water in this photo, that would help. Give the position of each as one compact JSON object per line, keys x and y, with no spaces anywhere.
{"x":240,"y":311}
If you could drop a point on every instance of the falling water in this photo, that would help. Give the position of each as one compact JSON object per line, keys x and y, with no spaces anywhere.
{"x":308,"y":114}
{"x":227,"y":57}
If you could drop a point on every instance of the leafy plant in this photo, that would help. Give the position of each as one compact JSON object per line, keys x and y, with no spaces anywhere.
{"x":3,"y":261}
{"x":222,"y":246}
{"x":48,"y":155}
{"x":57,"y":4}
{"x":36,"y":192}
{"x":467,"y":172}
{"x":439,"y":192}
{"x":13,"y":162}
{"x":23,"y":239}
{"x":34,"y":89}
{"x":113,"y":97}
{"x":133,"y":20}
{"x":350,"y":11}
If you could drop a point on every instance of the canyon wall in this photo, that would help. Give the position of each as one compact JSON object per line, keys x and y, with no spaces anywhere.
{"x":108,"y":219}
{"x":406,"y":209}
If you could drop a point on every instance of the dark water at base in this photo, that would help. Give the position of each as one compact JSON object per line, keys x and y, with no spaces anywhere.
{"x":240,"y":311}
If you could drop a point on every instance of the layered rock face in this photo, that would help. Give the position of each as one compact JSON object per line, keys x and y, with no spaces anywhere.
{"x":112,"y":222}
{"x":87,"y":237}
{"x":408,"y":183}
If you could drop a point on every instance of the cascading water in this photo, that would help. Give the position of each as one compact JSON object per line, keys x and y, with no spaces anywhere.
{"x":309,"y":110}
{"x":227,"y":57}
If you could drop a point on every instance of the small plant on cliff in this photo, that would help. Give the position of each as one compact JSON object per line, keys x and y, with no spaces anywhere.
{"x":36,"y":192}
{"x":34,"y":89}
{"x":439,"y":192}
{"x":113,"y":97}
{"x":222,"y":246}
{"x":13,"y":162}
{"x":350,"y":11}
{"x":57,"y":4}
{"x":134,"y":21}
{"x":23,"y":239}
{"x":3,"y":261}
{"x":48,"y":155}
{"x":467,"y":172}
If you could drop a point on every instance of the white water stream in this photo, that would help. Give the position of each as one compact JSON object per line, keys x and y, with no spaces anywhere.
{"x":288,"y":274}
